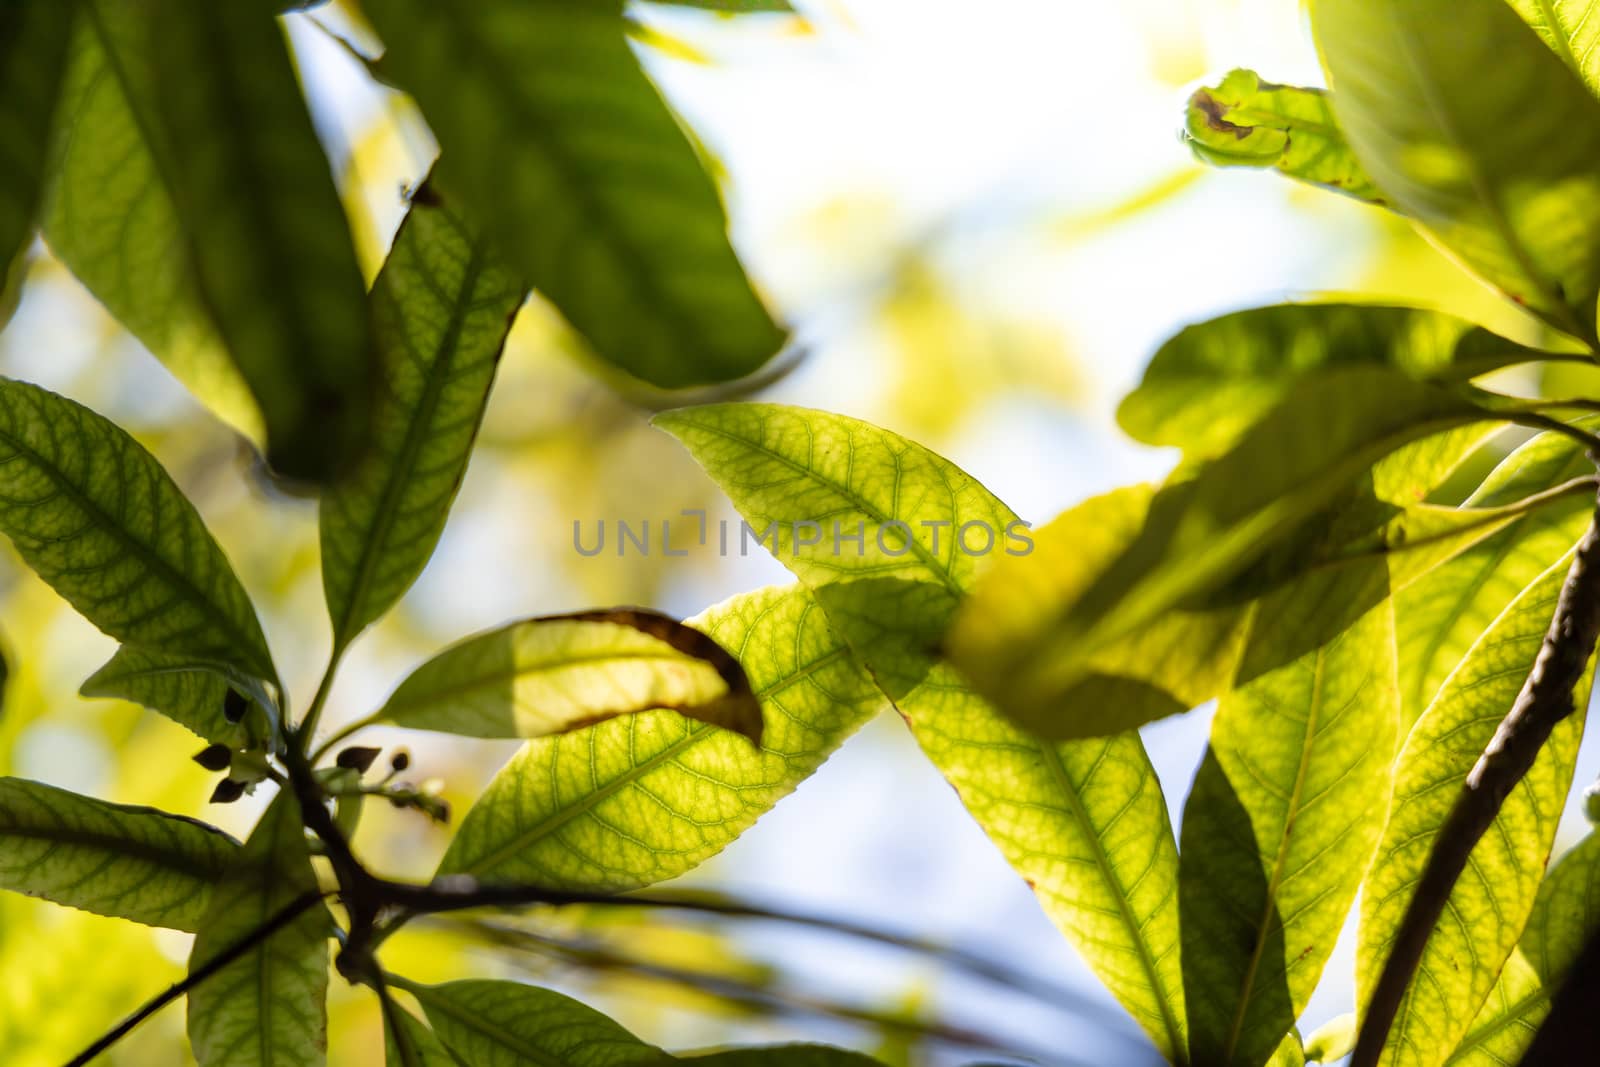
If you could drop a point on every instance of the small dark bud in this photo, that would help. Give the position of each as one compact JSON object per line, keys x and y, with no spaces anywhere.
{"x":227,"y":791}
{"x":357,"y":758}
{"x":399,"y":802}
{"x":234,"y":705}
{"x":400,"y":761}
{"x":441,"y":811}
{"x":215,"y":757}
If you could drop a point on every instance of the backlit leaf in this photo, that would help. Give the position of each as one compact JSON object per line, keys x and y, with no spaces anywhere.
{"x":1247,"y":122}
{"x":507,"y":1024}
{"x":600,"y":197}
{"x":1282,"y":821}
{"x":33,"y":50}
{"x":441,"y":308}
{"x":784,"y":1056}
{"x":1482,"y":135}
{"x":646,"y":797}
{"x":555,"y":674}
{"x":266,"y":1008}
{"x":94,"y":515}
{"x":111,"y":859}
{"x":409,"y":1043}
{"x":109,"y":214}
{"x":1084,"y":822}
{"x":1491,"y":902}
{"x":1571,"y":28}
{"x":267,"y":234}
{"x":190,"y":694}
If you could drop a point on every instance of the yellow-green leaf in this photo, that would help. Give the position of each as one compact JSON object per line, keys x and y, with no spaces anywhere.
{"x":111,"y":859}
{"x":598,"y":194}
{"x":1491,"y":902}
{"x":1571,"y":28}
{"x":643,"y":798}
{"x":556,"y":674}
{"x":508,"y":1024}
{"x":1481,"y":135}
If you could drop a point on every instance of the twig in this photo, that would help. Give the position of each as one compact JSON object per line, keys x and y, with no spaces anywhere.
{"x":1545,"y":700}
{"x":275,"y":922}
{"x":1567,"y":1034}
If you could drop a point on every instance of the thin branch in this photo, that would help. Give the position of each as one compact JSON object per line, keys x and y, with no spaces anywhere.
{"x":1545,"y":700}
{"x":1567,"y":1034}
{"x":275,"y":922}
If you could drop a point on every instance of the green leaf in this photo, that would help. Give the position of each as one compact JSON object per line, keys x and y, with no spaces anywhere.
{"x":1247,"y":122}
{"x":596,"y":190}
{"x":785,"y":1056}
{"x":1177,"y":663}
{"x":269,"y":241}
{"x":267,"y":1007}
{"x":109,"y":213}
{"x":111,"y":859}
{"x":1571,"y":28}
{"x":1212,"y":381}
{"x":1282,"y":821}
{"x":94,"y":515}
{"x":643,"y":798}
{"x":441,"y":308}
{"x":1308,"y":453}
{"x":732,"y":6}
{"x":556,"y":674}
{"x":193,"y":695}
{"x":508,"y":1024}
{"x":1439,"y":615}
{"x":1565,"y":915}
{"x":409,"y":1043}
{"x":1085,"y":822}
{"x":33,"y":50}
{"x":1481,"y":135}
{"x":1492,"y":900}
{"x":1333,"y":1040}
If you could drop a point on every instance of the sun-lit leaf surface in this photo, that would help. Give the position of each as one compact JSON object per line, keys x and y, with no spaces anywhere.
{"x":646,"y":797}
{"x":508,"y":1024}
{"x":95,"y":515}
{"x":1333,"y":1040}
{"x":1083,"y":822}
{"x":409,"y":1043}
{"x":1179,"y":662}
{"x":266,"y":233}
{"x":1440,"y":615}
{"x":598,"y":193}
{"x":1246,"y":122}
{"x":441,"y":308}
{"x":559,"y":673}
{"x":784,"y":1056}
{"x":1571,"y":28}
{"x":1492,"y":900}
{"x":1565,"y":914}
{"x":111,"y":859}
{"x":33,"y":50}
{"x":1482,"y":135}
{"x":189,"y":694}
{"x":1282,"y":821}
{"x":1308,"y":453}
{"x":1212,"y":381}
{"x":266,"y":1008}
{"x":109,"y":213}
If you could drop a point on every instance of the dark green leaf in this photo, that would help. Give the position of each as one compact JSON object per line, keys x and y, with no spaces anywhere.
{"x":1247,"y":122}
{"x":441,"y":308}
{"x":409,"y":1043}
{"x":111,"y":859}
{"x":785,"y":1056}
{"x":110,"y":217}
{"x":94,"y":515}
{"x":269,"y":241}
{"x":600,"y":197}
{"x":192,"y":694}
{"x":33,"y":51}
{"x":1491,"y":902}
{"x":266,"y":1008}
{"x":643,"y":798}
{"x":1481,"y":135}
{"x":507,"y":1024}
{"x":559,"y":673}
{"x":1282,"y":821}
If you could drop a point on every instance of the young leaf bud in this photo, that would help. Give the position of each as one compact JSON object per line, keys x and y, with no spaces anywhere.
{"x":357,"y":758}
{"x":400,"y":761}
{"x":215,"y":757}
{"x":234,"y":705}
{"x":227,"y":791}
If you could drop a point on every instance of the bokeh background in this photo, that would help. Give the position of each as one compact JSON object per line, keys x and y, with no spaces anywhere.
{"x":981,"y":222}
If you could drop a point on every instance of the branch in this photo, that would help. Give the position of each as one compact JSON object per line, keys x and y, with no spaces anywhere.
{"x":1545,"y":700}
{"x":275,"y":922}
{"x":1568,"y":1032}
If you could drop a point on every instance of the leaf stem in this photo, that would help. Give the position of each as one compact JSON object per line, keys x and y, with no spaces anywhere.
{"x":1545,"y":700}
{"x":344,"y":732}
{"x":308,"y":725}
